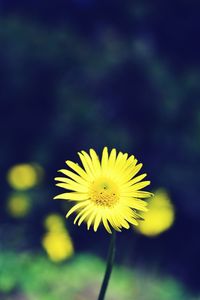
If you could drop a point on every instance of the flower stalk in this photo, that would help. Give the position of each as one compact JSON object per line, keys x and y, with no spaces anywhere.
{"x":110,"y":262}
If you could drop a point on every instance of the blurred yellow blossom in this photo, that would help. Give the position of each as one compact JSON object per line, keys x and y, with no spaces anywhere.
{"x":18,"y":205}
{"x":58,"y":245}
{"x":23,"y":176}
{"x":54,"y":222}
{"x":160,"y":215}
{"x":57,"y":241}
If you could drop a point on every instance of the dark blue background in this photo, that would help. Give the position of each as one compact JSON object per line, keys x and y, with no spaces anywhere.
{"x":80,"y":74}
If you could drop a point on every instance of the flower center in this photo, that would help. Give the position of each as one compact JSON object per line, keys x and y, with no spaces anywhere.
{"x":104,"y":192}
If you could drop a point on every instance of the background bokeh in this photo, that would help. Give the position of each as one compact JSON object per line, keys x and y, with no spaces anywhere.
{"x":78,"y":74}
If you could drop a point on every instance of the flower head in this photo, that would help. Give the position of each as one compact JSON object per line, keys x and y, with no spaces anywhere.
{"x":105,"y":191}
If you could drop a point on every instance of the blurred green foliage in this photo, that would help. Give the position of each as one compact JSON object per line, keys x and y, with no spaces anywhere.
{"x":33,"y":276}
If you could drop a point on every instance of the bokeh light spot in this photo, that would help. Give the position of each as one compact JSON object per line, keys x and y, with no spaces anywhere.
{"x":57,"y":242}
{"x":54,"y":222}
{"x":18,"y":205}
{"x":23,"y":176}
{"x":58,"y":245}
{"x":160,"y":216}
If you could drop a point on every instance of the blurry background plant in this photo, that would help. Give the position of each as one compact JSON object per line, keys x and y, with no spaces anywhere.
{"x":57,"y":241}
{"x":80,"y":279}
{"x":81,"y":74}
{"x":160,"y":216}
{"x":18,"y":205}
{"x":23,"y":176}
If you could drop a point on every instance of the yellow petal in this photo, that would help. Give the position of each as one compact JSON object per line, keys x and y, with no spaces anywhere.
{"x":132,"y":221}
{"x":113,"y":222}
{"x":73,"y":187}
{"x":82,"y":213}
{"x":112,"y":159}
{"x":104,"y":161}
{"x":120,"y":161}
{"x":137,"y":194}
{"x":95,"y":161}
{"x":97,"y":221}
{"x":122,"y":220}
{"x":73,"y":176}
{"x":89,"y":162}
{"x":105,"y":223}
{"x":138,"y":186}
{"x":62,"y":179}
{"x":76,"y":207}
{"x":134,"y":180}
{"x":72,"y":196}
{"x":84,"y":216}
{"x":131,"y":173}
{"x":130,"y":162}
{"x":91,"y":218}
{"x":77,"y":169}
{"x":136,"y":204}
{"x":86,"y":166}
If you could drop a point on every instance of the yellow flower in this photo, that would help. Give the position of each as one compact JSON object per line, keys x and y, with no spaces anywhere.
{"x":105,"y":191}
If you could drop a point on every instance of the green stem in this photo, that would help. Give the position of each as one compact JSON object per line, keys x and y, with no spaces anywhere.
{"x":110,"y":260}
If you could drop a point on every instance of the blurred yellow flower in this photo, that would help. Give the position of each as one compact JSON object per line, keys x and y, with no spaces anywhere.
{"x":105,"y":191}
{"x":22,"y":176}
{"x":58,"y":246}
{"x":57,"y":242}
{"x":160,"y":216}
{"x":18,"y":205}
{"x":54,"y":222}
